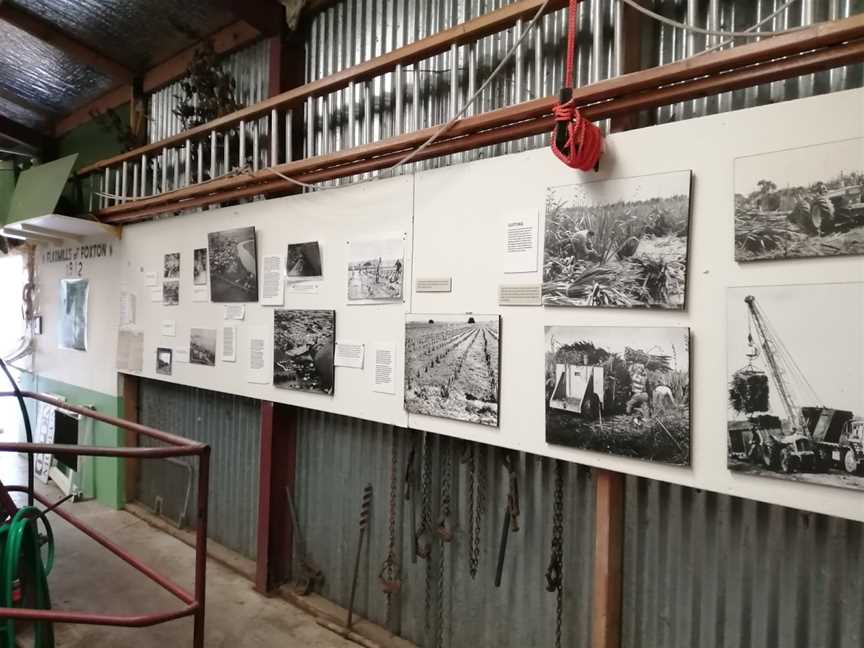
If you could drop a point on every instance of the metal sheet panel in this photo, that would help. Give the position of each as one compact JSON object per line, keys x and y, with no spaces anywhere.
{"x":231,"y":425}
{"x":339,"y":455}
{"x":249,"y":67}
{"x":430,"y":92}
{"x":709,"y":570}
{"x":44,"y":75}
{"x":136,"y":34}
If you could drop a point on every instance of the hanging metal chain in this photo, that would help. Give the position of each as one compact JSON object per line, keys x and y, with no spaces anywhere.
{"x":471,"y":486}
{"x":555,"y":570}
{"x":390,"y":569}
{"x":444,"y":533}
{"x":423,"y":535}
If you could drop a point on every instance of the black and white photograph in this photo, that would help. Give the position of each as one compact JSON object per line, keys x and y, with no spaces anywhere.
{"x":171,"y":292}
{"x":231,"y":255}
{"x":795,"y":398}
{"x":801,"y":202}
{"x":199,"y":266}
{"x":74,"y":294}
{"x":303,"y":346}
{"x":172,"y":266}
{"x":453,"y":367}
{"x":618,"y":243}
{"x":620,"y":390}
{"x":164,"y":361}
{"x":202,"y":346}
{"x":303,"y":261}
{"x":375,"y":270}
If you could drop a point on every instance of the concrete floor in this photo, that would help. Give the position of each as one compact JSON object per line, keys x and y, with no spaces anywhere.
{"x":86,"y":577}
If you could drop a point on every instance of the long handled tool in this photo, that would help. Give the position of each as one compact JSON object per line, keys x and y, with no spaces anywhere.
{"x":364,"y":524}
{"x":310,"y":575}
{"x":511,"y":515}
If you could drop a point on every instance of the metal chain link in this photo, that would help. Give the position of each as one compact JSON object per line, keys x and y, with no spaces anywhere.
{"x":390,"y":569}
{"x":555,"y":570}
{"x":472,"y":531}
{"x":444,"y":534}
{"x":426,"y":518}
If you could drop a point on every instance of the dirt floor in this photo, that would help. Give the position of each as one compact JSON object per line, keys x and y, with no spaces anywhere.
{"x":88,"y":578}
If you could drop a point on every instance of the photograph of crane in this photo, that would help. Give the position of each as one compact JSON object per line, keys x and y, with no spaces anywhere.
{"x":795,"y":383}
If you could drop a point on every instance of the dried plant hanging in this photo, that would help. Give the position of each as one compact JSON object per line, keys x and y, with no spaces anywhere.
{"x":208,"y":91}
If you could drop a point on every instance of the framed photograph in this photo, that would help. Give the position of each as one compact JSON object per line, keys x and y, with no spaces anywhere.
{"x":303,"y":261}
{"x":171,"y":292}
{"x":453,"y":366}
{"x":303,"y":346}
{"x":171,"y":269}
{"x":618,"y":243}
{"x":801,"y":202}
{"x":620,"y":390}
{"x":232,"y":257}
{"x":74,"y":295}
{"x":199,"y":266}
{"x":796,"y":383}
{"x":375,"y":270}
{"x":202,"y":346}
{"x":164,"y":361}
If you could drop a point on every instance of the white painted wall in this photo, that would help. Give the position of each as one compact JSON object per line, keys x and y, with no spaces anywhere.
{"x":95,"y":368}
{"x":454,"y":220}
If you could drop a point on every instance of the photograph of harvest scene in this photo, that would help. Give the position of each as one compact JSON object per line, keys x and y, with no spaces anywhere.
{"x":452,"y":366}
{"x":796,"y":384}
{"x":803,"y":202}
{"x":618,"y":243}
{"x":620,"y":390}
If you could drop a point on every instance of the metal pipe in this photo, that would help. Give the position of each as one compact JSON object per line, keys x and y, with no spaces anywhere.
{"x":122,"y":554}
{"x":274,"y":137}
{"x":201,"y":546}
{"x":242,"y":132}
{"x":213,"y":140}
{"x":144,"y":171}
{"x":124,"y":177}
{"x":147,"y":431}
{"x":89,"y":618}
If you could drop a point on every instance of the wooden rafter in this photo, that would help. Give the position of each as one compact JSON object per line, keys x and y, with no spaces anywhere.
{"x":267,"y":16}
{"x":20,"y":133}
{"x":225,"y":40}
{"x":45,"y":31}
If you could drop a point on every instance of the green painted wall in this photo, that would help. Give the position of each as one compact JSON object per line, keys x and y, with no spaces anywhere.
{"x":92,"y":143}
{"x":108,"y":484}
{"x":7,"y":186}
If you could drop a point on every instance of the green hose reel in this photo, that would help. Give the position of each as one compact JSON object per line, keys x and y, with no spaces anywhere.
{"x":21,"y":562}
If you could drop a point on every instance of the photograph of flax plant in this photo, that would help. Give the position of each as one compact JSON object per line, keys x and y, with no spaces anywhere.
{"x":618,"y":243}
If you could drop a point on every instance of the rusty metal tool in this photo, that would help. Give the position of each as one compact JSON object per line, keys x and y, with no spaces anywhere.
{"x":365,"y":505}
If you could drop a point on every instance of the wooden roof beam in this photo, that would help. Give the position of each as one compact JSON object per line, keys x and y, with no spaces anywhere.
{"x":267,"y":16}
{"x":20,"y":133}
{"x":48,"y":33}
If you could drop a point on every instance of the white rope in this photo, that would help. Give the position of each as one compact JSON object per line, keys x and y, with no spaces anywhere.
{"x":731,"y":41}
{"x":389,"y":171}
{"x":708,"y":32}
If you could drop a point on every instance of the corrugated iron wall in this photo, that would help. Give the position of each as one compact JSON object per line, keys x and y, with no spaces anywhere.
{"x":430,"y":92}
{"x":249,"y":67}
{"x":231,"y":425}
{"x":709,"y":570}
{"x":338,"y":455}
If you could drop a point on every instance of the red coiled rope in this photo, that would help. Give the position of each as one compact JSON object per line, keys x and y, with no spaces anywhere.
{"x":576,"y":141}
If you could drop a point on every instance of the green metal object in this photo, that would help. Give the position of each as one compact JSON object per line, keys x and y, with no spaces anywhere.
{"x":39,"y":188}
{"x":22,"y":568}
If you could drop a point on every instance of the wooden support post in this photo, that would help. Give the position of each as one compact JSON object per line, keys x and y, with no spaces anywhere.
{"x":277,"y":472}
{"x":130,"y":388}
{"x":630,"y":40}
{"x":608,"y":559}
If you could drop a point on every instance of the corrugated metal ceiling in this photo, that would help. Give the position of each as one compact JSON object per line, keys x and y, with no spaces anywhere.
{"x":44,"y":75}
{"x":134,"y":33}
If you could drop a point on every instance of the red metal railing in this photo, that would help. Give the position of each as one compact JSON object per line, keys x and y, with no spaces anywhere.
{"x":194,"y":602}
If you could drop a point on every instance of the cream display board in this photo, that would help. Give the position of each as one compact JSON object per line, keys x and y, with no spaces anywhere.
{"x":453,"y":223}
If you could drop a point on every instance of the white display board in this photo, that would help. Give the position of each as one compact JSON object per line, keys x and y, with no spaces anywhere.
{"x":455,"y":219}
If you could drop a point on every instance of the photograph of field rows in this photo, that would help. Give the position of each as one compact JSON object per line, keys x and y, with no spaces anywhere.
{"x":618,"y":243}
{"x":452,"y":366}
